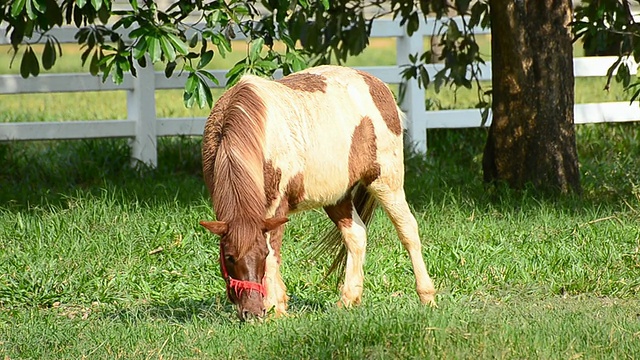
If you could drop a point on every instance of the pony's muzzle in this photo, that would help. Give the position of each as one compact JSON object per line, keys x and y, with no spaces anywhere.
{"x":246,"y":314}
{"x":251,"y":306}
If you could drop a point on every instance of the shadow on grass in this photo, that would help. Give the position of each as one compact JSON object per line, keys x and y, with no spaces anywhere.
{"x":45,"y":174}
{"x":216,"y":309}
{"x":451,"y":172}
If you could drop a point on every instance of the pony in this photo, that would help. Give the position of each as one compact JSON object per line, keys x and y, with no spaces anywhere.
{"x":329,"y":137}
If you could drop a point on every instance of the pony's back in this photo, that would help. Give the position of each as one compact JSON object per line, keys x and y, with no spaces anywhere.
{"x":335,"y":125}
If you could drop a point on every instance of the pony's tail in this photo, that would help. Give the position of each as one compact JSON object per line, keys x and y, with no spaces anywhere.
{"x":332,"y":243}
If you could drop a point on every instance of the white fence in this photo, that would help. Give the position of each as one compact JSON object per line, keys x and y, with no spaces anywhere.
{"x":143,"y":127}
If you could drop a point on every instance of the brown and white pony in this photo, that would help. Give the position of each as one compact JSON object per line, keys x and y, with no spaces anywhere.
{"x":326,"y":137}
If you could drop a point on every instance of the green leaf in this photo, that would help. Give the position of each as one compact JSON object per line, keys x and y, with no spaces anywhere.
{"x":623,"y":75}
{"x":477,"y":11}
{"x":168,"y":70}
{"x":48,"y":55}
{"x":125,"y":21}
{"x":424,"y":75}
{"x":97,"y":4}
{"x":296,"y":60}
{"x":286,"y":39}
{"x":207,"y":92}
{"x":209,"y":76}
{"x":178,"y":44}
{"x":29,"y":7}
{"x":453,"y":32}
{"x":205,"y":59}
{"x":194,"y":40}
{"x":236,"y":71}
{"x":16,"y":8}
{"x":117,"y":75}
{"x":40,"y":6}
{"x":137,"y":32}
{"x":124,"y":64}
{"x":463,"y":6}
{"x":93,"y":65}
{"x":134,"y":4}
{"x":188,"y":99}
{"x":190,"y":90}
{"x":266,"y":65}
{"x":223,"y":44}
{"x":81,"y":3}
{"x":255,"y":49}
{"x":325,"y":4}
{"x":104,"y":14}
{"x":108,"y":62}
{"x":155,"y":50}
{"x":214,"y":16}
{"x":140,"y":48}
{"x":635,"y":95}
{"x":25,"y":66}
{"x":167,"y":48}
{"x":191,"y":84}
{"x":202,"y":93}
{"x":413,"y":23}
{"x":32,"y":61}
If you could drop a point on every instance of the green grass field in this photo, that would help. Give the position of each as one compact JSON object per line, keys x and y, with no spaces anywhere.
{"x":101,"y":261}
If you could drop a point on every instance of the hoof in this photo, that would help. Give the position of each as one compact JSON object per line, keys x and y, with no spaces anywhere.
{"x":428,"y":299}
{"x":347,"y":303}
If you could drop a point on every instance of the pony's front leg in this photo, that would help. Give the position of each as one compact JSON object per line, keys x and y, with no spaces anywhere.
{"x":354,"y":234}
{"x":276,"y":296}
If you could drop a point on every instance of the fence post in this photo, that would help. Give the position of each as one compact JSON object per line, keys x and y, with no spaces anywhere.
{"x":413,"y":101}
{"x":141,"y":107}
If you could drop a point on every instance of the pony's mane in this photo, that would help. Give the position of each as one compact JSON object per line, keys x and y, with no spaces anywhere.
{"x":236,"y":158}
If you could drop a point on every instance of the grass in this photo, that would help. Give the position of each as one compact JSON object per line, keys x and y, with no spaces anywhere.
{"x":517,"y":274}
{"x":102,"y":261}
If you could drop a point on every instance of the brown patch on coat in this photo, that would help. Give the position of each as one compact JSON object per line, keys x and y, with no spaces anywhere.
{"x":272,"y":177}
{"x":295,"y":191}
{"x":305,"y":82}
{"x":362,"y":154}
{"x":384,"y":101}
{"x":340,"y":213}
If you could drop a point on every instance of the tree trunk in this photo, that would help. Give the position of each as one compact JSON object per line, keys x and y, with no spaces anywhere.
{"x":532,"y":139}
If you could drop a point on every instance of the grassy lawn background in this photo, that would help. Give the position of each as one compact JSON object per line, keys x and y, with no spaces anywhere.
{"x":519,"y":275}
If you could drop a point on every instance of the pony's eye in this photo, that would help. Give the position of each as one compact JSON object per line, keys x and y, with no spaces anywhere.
{"x":230,"y":259}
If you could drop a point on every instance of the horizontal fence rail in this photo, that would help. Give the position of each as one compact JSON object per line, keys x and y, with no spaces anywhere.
{"x":143,"y":127}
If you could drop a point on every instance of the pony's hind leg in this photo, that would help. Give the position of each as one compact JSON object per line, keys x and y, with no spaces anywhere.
{"x":354,"y":235}
{"x":396,"y":207}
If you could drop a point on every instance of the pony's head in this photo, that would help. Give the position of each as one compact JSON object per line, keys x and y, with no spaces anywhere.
{"x":243,"y":255}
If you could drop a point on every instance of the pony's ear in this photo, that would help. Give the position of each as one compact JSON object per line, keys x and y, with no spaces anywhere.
{"x":274,"y":222}
{"x":217,"y":227}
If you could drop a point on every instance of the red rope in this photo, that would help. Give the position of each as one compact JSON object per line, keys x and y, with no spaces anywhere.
{"x":238,"y":285}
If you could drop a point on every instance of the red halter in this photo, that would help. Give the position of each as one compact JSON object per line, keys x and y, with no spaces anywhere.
{"x":238,"y":285}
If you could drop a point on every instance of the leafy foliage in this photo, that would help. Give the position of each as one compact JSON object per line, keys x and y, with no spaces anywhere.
{"x":609,"y":27}
{"x":312,"y":31}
